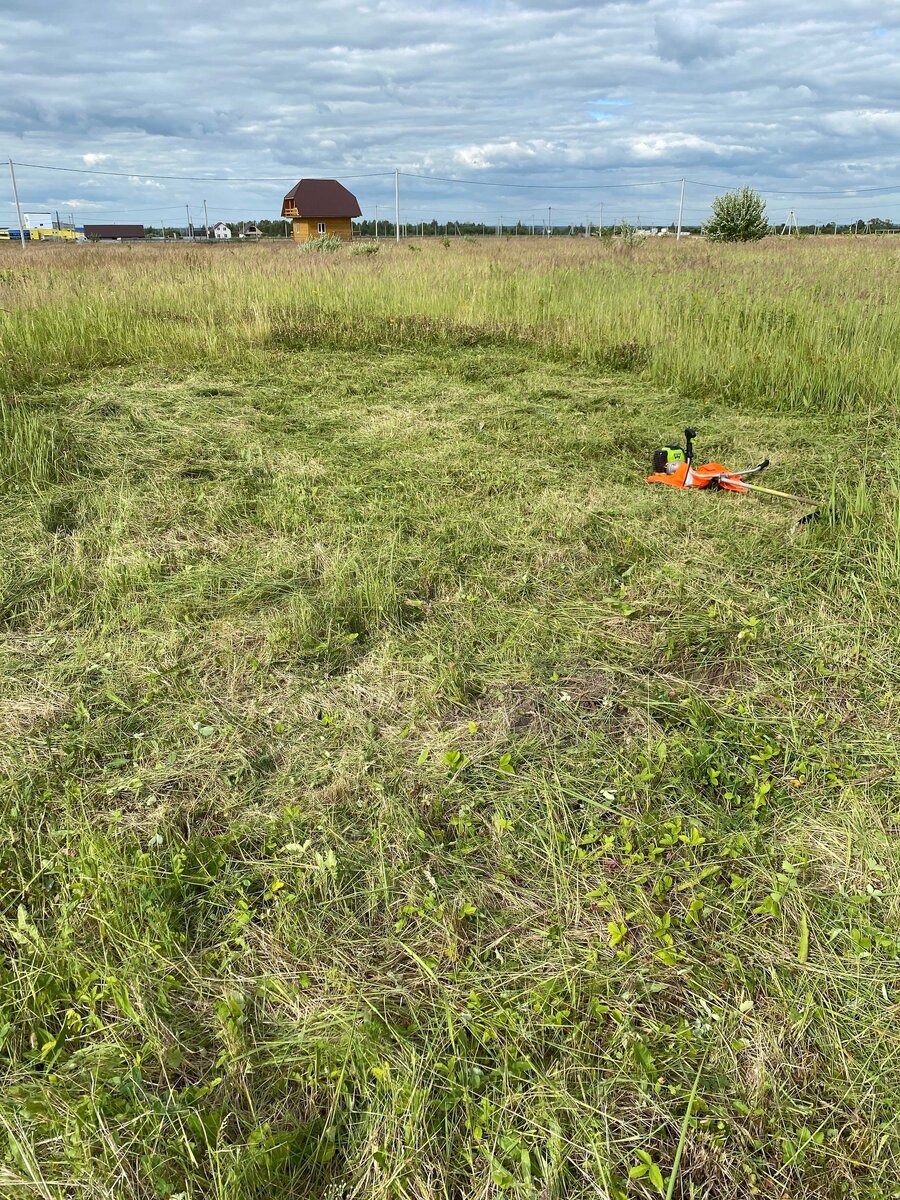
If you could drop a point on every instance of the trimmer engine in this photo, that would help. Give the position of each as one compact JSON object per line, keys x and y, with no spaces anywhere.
{"x":667,"y":459}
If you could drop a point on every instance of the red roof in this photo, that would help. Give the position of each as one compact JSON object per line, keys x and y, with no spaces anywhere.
{"x":112,"y":232}
{"x":322,"y":198}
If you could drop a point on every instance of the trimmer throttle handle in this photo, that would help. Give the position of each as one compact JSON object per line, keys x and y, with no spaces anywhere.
{"x":689,"y":435}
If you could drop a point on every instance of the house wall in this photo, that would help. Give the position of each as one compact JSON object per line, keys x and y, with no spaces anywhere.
{"x":53,"y":235}
{"x":303,"y":228}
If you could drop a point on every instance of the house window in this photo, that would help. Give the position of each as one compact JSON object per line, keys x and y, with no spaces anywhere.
{"x":321,"y":227}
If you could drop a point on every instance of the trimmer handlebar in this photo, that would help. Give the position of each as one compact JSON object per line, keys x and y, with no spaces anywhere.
{"x":689,"y":435}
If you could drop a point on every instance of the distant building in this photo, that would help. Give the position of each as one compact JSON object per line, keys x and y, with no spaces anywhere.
{"x":114,"y":233}
{"x":54,"y":235}
{"x":320,"y":208}
{"x":219,"y":230}
{"x":250,"y":231}
{"x":44,"y":227}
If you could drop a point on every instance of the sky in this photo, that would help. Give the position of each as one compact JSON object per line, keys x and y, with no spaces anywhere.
{"x":529,"y":105}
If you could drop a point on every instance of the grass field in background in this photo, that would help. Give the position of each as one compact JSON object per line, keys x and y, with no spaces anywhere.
{"x":792,"y":324}
{"x":398,"y":797}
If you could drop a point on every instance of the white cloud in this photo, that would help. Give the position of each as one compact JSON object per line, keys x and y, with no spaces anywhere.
{"x":881,"y":123}
{"x":93,"y":160}
{"x":683,"y":146}
{"x":510,"y":154}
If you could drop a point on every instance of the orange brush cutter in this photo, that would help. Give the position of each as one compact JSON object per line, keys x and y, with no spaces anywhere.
{"x":674,"y":467}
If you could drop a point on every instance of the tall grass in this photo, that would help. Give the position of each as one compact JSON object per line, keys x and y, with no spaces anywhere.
{"x":808,"y":325}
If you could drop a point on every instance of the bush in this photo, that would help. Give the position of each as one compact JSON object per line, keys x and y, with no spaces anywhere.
{"x":326,"y":244}
{"x":627,"y":233}
{"x":365,"y":248}
{"x":737,"y":217}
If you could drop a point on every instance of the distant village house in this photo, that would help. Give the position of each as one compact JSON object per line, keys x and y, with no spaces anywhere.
{"x":219,"y":230}
{"x":320,"y":208}
{"x":114,"y":233}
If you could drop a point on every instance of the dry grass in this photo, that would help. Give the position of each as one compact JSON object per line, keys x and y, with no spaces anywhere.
{"x":806,"y":325}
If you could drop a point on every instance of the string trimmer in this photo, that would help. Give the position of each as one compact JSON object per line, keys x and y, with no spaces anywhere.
{"x":674,"y":465}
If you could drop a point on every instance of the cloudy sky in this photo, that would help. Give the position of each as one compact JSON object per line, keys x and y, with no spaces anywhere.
{"x":586,"y":104}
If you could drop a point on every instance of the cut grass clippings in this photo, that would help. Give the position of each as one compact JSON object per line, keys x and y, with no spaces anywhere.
{"x":401,"y":799}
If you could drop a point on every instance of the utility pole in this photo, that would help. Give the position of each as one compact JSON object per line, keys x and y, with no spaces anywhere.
{"x":600,"y":226}
{"x":397,"y":201}
{"x":549,"y":222}
{"x":12,"y":175}
{"x":680,"y":212}
{"x":190,"y":226}
{"x":376,"y":222}
{"x":205,"y":219}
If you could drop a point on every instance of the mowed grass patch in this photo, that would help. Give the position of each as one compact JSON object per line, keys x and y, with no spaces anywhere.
{"x":402,"y":799}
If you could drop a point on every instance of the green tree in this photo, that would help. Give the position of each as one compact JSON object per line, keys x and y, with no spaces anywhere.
{"x":737,"y":217}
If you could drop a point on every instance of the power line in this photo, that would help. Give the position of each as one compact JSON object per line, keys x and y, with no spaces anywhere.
{"x":543,"y":187}
{"x":848,"y":191}
{"x":576,"y":187}
{"x":190,"y":178}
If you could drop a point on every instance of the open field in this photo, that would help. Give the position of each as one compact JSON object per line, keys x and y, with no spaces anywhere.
{"x":399,"y":797}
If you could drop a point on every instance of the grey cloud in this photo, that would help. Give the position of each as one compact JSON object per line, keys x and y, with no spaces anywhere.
{"x":726,"y":90}
{"x":684,"y":37}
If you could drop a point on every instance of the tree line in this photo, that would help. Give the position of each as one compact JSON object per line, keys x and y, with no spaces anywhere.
{"x":736,"y":216}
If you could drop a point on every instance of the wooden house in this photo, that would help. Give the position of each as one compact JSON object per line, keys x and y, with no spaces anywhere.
{"x":320,"y":208}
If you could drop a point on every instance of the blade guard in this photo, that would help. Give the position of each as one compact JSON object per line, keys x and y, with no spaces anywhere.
{"x":711,"y":474}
